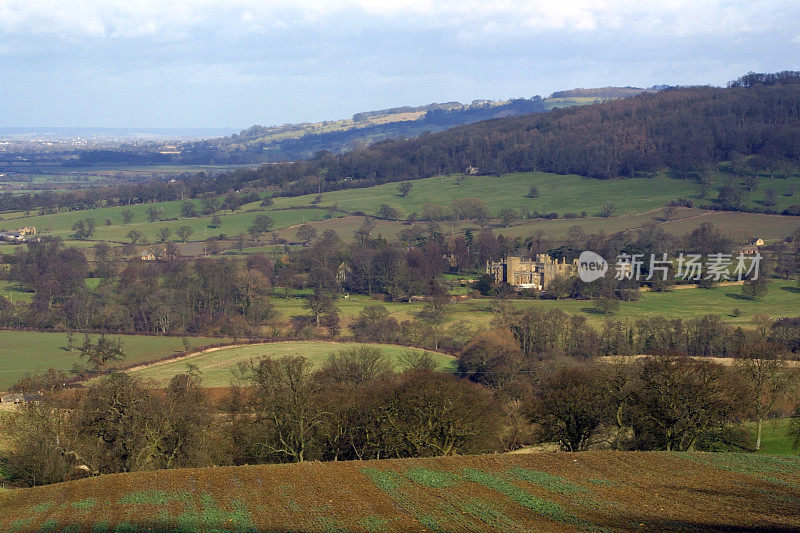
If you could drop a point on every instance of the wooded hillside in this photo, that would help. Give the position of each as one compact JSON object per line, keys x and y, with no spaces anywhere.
{"x":681,"y":128}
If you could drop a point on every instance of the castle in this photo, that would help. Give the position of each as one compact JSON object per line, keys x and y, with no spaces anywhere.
{"x":531,"y":273}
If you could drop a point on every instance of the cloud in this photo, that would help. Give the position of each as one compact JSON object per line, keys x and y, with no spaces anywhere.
{"x":186,"y":18}
{"x":223,"y":62}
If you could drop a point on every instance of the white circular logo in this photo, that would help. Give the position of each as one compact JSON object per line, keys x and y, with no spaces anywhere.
{"x":591,"y":266}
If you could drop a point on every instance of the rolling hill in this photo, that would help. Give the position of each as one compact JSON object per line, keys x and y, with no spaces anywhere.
{"x":589,"y":491}
{"x":684,"y":129}
{"x":289,"y":142}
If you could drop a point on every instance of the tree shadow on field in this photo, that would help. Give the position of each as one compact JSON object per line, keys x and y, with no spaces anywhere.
{"x":795,"y":290}
{"x":738,"y":296}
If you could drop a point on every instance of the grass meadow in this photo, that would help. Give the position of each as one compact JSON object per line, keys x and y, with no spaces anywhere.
{"x":557,"y":193}
{"x":26,"y":352}
{"x":638,"y":201}
{"x":781,"y":300}
{"x":60,"y":224}
{"x":775,"y":438}
{"x":218,"y":366}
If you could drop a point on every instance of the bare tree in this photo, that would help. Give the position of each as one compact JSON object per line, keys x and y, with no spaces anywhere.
{"x":764,"y":369}
{"x":286,"y":410}
{"x":572,"y":405}
{"x":608,"y":209}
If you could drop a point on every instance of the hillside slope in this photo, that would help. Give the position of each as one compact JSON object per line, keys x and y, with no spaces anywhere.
{"x":300,"y":141}
{"x":543,"y":492}
{"x":685,"y":129}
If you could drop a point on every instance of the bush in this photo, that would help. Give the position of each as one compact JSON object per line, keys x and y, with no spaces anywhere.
{"x":492,"y":358}
{"x":484,"y":284}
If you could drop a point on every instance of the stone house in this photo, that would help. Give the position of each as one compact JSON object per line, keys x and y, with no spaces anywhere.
{"x":536,"y":273}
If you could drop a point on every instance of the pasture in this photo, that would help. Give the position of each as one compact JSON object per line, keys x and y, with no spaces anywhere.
{"x":557,"y":193}
{"x":739,"y":226}
{"x":218,"y":367}
{"x":781,"y":300}
{"x":639,"y":202}
{"x":775,"y":437}
{"x":25,"y":353}
{"x":588,"y":491}
{"x":232,"y":223}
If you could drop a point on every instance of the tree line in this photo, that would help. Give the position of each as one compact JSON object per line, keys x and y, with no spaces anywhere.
{"x":356,"y":407}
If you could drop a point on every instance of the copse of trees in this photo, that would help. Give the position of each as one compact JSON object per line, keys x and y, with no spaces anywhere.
{"x":117,"y":425}
{"x":170,"y":296}
{"x":355,"y":407}
{"x":752,"y":79}
{"x":657,"y":403}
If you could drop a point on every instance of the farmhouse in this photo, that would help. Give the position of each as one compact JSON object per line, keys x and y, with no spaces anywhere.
{"x":535,"y":273}
{"x":19,"y":236}
{"x":154,"y":254}
{"x":751,"y":248}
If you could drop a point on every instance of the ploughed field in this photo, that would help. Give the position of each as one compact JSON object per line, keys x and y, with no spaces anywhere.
{"x":220,"y":366}
{"x":590,"y":491}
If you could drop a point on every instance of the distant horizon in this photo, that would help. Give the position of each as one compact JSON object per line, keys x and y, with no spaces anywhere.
{"x":110,"y":129}
{"x":32,"y":129}
{"x":104,"y":133}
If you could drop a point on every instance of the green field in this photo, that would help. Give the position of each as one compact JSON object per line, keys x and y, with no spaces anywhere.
{"x":60,"y":224}
{"x":217,"y":366}
{"x":775,"y":437}
{"x":24,"y":352}
{"x":638,"y":203}
{"x":587,"y":491}
{"x":558,"y":193}
{"x":11,"y":291}
{"x":782,"y":300}
{"x":739,"y":226}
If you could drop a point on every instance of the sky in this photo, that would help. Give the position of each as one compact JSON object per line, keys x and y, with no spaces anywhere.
{"x":235,"y":63}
